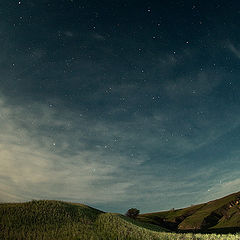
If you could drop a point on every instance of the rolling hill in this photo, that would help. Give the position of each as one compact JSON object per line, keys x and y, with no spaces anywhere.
{"x":62,"y":220}
{"x":58,"y":220}
{"x":221,"y":215}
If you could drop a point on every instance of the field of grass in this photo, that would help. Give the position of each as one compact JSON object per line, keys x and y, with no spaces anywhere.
{"x":58,"y":220}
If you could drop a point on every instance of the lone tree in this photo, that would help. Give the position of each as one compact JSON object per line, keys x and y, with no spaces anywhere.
{"x":132,"y":213}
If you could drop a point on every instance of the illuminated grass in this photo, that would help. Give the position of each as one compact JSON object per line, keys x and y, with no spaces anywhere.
{"x":65,"y":221}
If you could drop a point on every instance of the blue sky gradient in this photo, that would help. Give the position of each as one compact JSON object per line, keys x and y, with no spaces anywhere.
{"x":119,"y":105}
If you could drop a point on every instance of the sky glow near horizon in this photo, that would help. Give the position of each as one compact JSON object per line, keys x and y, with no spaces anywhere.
{"x":119,"y":104}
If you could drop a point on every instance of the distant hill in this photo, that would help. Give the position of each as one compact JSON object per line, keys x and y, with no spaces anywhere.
{"x":221,"y":216}
{"x":50,"y":220}
{"x":57,"y":220}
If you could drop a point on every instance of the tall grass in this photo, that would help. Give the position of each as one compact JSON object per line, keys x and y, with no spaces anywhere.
{"x":46,"y":220}
{"x":54,"y":220}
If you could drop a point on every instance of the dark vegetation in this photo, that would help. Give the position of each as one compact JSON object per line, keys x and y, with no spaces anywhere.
{"x":132,"y":213}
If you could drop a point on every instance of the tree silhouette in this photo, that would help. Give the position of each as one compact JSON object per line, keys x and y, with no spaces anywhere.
{"x":132,"y":213}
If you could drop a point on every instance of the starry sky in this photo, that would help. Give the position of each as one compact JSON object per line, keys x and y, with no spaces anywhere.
{"x":119,"y":104}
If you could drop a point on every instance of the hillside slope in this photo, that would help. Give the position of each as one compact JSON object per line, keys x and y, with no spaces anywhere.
{"x":62,"y":220}
{"x":221,"y":215}
{"x":56,"y":220}
{"x":46,"y":219}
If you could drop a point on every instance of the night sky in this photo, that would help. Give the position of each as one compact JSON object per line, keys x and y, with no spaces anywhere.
{"x":119,"y":104}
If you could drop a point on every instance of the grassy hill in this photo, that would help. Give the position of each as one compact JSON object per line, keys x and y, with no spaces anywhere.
{"x":46,"y":219}
{"x":57,"y":220}
{"x":221,"y":215}
{"x":61,"y":220}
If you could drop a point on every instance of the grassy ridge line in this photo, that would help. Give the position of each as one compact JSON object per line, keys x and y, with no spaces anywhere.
{"x":46,"y":220}
{"x":61,"y":220}
{"x":210,"y":211}
{"x":172,"y":217}
{"x":56,"y":220}
{"x":220,"y":215}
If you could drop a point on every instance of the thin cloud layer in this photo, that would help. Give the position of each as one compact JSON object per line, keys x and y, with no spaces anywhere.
{"x":90,"y":161}
{"x":114,"y":109}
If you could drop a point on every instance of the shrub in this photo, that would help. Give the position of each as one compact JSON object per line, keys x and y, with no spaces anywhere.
{"x":132,"y":213}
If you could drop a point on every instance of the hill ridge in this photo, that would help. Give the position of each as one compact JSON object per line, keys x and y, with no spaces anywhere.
{"x":59,"y":220}
{"x":220,"y":215}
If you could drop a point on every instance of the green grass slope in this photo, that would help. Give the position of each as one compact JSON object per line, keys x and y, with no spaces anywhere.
{"x":46,"y":220}
{"x":221,"y":215}
{"x":62,"y":220}
{"x":56,"y":220}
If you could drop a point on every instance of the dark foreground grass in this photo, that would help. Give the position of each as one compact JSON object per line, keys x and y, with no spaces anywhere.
{"x":55,"y":220}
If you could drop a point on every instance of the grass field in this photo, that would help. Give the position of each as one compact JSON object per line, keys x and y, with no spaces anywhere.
{"x":64,"y":221}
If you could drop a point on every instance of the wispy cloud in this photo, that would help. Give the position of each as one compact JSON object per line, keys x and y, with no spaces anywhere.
{"x":98,"y":36}
{"x":193,"y":84}
{"x":234,"y":50}
{"x":88,"y":160}
{"x":36,"y":164}
{"x":48,"y":150}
